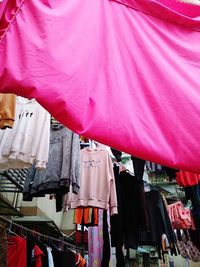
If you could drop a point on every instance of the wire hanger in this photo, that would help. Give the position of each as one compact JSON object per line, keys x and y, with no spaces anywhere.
{"x":10,"y":229}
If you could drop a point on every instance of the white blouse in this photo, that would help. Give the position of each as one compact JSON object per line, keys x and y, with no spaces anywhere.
{"x":28,"y":142}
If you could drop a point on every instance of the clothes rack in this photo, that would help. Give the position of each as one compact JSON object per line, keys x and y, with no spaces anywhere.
{"x":60,"y":241}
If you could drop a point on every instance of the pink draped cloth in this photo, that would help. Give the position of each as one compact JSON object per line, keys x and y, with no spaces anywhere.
{"x":125,"y":73}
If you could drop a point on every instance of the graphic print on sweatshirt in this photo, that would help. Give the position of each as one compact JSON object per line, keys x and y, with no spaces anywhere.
{"x":91,"y":163}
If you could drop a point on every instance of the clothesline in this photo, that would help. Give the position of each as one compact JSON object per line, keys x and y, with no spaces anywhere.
{"x":71,"y":246}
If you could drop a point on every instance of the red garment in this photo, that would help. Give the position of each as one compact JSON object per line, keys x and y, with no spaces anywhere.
{"x":38,"y":253}
{"x":16,"y":251}
{"x":185,"y":179}
{"x":180,"y":217}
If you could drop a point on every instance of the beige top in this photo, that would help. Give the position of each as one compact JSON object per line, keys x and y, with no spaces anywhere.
{"x":97,"y":185}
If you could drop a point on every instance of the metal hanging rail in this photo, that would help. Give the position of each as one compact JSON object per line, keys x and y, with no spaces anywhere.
{"x":45,"y":237}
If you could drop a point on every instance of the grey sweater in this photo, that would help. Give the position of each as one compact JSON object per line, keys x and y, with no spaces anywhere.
{"x":63,"y":168}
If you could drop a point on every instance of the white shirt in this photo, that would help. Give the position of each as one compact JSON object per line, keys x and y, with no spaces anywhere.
{"x":50,"y":257}
{"x":28,"y":142}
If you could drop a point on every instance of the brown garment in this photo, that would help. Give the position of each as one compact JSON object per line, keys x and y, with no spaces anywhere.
{"x":7,"y":110}
{"x":3,"y":246}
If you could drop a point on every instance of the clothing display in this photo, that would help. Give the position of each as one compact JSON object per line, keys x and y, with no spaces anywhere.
{"x":97,"y":184}
{"x":7,"y":110}
{"x":36,"y":249}
{"x":99,"y":127}
{"x":27,"y":143}
{"x":63,"y":168}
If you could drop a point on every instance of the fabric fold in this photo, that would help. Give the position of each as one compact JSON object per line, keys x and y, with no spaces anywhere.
{"x":122,"y":76}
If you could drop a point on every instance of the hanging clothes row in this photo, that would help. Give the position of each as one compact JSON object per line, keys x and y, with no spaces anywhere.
{"x":24,"y":247}
{"x":135,"y":224}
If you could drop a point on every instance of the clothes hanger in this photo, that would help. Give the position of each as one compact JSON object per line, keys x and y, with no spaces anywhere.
{"x":10,"y":232}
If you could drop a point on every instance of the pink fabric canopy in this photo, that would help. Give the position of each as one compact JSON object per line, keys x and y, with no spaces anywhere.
{"x":125,"y":73}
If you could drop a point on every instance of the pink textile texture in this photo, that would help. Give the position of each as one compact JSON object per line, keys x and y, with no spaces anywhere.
{"x":125,"y":73}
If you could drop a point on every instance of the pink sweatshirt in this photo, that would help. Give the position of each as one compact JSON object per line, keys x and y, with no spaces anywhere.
{"x":97,"y":185}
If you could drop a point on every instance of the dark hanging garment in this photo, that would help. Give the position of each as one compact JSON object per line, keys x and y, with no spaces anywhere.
{"x":63,"y":258}
{"x":138,"y":166}
{"x":158,"y":218}
{"x":131,"y":216}
{"x":106,"y":242}
{"x":120,"y":261}
{"x":193,"y":194}
{"x":117,"y":239}
{"x":30,"y":262}
{"x":132,"y":210}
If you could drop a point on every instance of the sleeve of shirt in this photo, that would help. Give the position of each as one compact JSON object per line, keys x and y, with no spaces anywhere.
{"x":113,"y":194}
{"x":43,"y":146}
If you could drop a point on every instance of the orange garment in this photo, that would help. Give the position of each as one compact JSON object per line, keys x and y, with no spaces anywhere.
{"x":96,"y":216}
{"x":82,"y":262}
{"x":7,"y":110}
{"x":86,"y":216}
{"x":81,"y":215}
